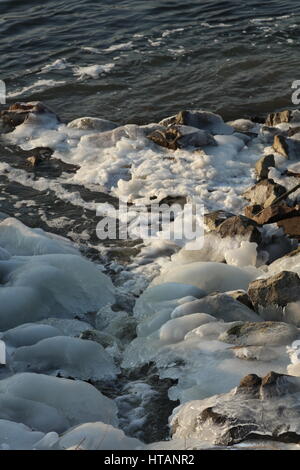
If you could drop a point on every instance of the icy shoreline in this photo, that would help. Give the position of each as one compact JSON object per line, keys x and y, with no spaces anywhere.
{"x":199,"y":316}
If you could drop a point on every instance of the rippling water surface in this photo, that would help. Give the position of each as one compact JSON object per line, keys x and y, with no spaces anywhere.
{"x":150,"y":58}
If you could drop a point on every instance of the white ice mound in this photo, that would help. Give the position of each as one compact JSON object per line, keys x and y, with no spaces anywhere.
{"x":17,"y":436}
{"x":98,"y":436}
{"x":209,"y":276}
{"x":28,"y":334}
{"x":165,"y":295}
{"x":70,"y":357}
{"x":175,"y":330}
{"x":37,"y":287}
{"x":18,"y":239}
{"x":46,"y":403}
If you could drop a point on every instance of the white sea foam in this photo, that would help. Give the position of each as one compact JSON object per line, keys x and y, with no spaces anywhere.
{"x":92,"y":71}
{"x":120,"y":47}
{"x":39,"y":85}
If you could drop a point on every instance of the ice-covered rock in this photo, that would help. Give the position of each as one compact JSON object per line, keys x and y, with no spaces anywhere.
{"x":29,"y":334}
{"x":209,"y":276}
{"x":175,"y":329}
{"x":46,"y":403}
{"x":267,"y":407}
{"x":17,"y":436}
{"x":36,"y":287}
{"x":92,"y":124}
{"x":260,"y":334}
{"x":200,"y":119}
{"x":98,"y":436}
{"x":66,"y":356}
{"x":20,"y":240}
{"x":220,"y":306}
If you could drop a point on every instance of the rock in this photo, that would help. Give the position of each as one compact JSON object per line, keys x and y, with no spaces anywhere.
{"x":280,"y":146}
{"x":291,"y":226}
{"x":279,"y":289}
{"x":243,"y":125}
{"x":264,"y":193}
{"x":33,"y":161}
{"x":262,"y":166}
{"x":100,"y":337}
{"x":220,"y":306}
{"x":92,"y":123}
{"x":287,"y":147}
{"x":274,"y":119}
{"x":204,"y":120}
{"x":268,"y":134}
{"x":260,"y":334}
{"x":17,"y":113}
{"x":240,"y":226}
{"x":241,"y":296}
{"x":271,"y":214}
{"x":179,"y":137}
{"x":213,"y":219}
{"x":258,"y":408}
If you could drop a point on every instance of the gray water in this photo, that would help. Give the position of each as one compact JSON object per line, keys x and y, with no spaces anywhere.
{"x":235,"y":58}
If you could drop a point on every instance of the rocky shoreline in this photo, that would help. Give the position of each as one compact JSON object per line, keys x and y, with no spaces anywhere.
{"x":210,"y":333}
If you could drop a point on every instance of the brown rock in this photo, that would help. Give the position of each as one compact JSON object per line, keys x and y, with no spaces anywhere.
{"x":241,"y":296}
{"x":240,"y":226}
{"x":262,"y":166}
{"x":291,"y":226}
{"x":33,"y":161}
{"x":214,"y":219}
{"x":178,"y":137}
{"x":264,"y":193}
{"x":279,"y":289}
{"x":277,"y":118}
{"x":271,"y":214}
{"x":280,"y":146}
{"x":17,"y":113}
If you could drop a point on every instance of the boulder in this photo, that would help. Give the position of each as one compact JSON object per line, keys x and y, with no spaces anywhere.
{"x":279,"y":289}
{"x":274,"y":119}
{"x":244,"y":125}
{"x":241,"y":296}
{"x":264,"y":193}
{"x":180,"y":137}
{"x":267,"y":407}
{"x":213,"y":219}
{"x":271,"y":214}
{"x":287,"y":147}
{"x":17,"y":113}
{"x":240,"y":226}
{"x":262,"y":166}
{"x":256,"y":353}
{"x":268,"y":333}
{"x":204,"y":120}
{"x":291,"y":226}
{"x":92,"y":123}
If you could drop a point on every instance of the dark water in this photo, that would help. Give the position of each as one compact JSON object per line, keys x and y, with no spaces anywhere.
{"x":236,"y":58}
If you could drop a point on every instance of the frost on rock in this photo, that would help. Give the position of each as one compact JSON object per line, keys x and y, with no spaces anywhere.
{"x":66,"y":356}
{"x":46,"y":403}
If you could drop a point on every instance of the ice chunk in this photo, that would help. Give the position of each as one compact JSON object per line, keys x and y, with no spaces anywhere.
{"x":245,"y":255}
{"x":17,"y":436}
{"x":175,"y":330}
{"x":36,"y":287}
{"x":70,"y":357}
{"x":209,"y":276}
{"x":48,"y":403}
{"x":28,"y":334}
{"x":98,"y":436}
{"x":21,"y":240}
